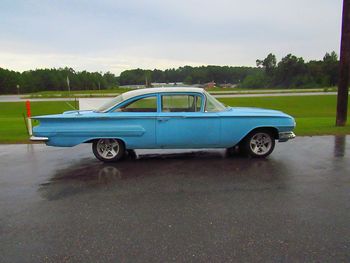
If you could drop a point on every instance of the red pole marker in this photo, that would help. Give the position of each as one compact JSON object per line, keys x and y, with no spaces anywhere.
{"x":30,"y":130}
{"x":28,"y":108}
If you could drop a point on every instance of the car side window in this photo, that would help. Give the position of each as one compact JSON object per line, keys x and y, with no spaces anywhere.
{"x":148,"y":104}
{"x":181,"y":103}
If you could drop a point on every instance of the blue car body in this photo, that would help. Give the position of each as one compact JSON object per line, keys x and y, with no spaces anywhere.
{"x":201,"y":128}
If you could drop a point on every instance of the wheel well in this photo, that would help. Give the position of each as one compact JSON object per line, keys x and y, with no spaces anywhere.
{"x":92,"y":140}
{"x":272,"y":130}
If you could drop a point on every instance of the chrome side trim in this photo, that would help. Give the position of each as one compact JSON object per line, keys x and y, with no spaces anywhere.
{"x":38,"y":139}
{"x":285,"y":136}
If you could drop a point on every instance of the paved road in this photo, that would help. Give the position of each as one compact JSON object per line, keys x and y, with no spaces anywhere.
{"x":18,"y":98}
{"x":10,"y":98}
{"x":61,"y":205}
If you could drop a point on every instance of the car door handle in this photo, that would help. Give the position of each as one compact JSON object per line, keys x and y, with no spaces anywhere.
{"x":163,"y":119}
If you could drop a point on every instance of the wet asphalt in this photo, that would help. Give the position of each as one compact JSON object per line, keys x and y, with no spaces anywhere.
{"x":62,"y":205}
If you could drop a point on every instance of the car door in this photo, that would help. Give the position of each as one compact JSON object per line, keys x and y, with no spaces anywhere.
{"x":134,"y":122}
{"x":182,"y":123}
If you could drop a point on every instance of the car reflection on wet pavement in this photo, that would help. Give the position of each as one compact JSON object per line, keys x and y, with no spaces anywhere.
{"x":60,"y":204}
{"x":185,"y":172}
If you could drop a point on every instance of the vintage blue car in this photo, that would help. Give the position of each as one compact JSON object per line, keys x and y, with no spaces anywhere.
{"x":167,"y":118}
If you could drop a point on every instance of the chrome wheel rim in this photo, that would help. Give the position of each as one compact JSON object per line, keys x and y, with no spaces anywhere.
{"x":261,"y":143}
{"x":108,"y":148}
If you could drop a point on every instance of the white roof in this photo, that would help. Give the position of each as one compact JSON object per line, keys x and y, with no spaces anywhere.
{"x":137,"y":92}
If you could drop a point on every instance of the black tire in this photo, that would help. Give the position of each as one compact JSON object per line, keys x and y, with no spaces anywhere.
{"x":108,"y":150}
{"x":258,"y":144}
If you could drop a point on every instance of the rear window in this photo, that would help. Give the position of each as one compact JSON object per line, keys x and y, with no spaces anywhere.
{"x":181,"y":103}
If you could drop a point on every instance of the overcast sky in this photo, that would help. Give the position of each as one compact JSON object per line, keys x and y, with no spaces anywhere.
{"x":114,"y":35}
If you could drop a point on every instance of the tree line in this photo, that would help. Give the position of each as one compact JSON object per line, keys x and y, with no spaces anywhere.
{"x":187,"y":75}
{"x":290,"y":72}
{"x":293,"y":72}
{"x":12,"y":82}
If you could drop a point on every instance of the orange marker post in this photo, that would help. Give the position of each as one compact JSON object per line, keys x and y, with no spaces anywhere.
{"x":30,"y":130}
{"x":28,"y":108}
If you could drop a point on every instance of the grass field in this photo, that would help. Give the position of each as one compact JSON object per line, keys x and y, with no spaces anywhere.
{"x":12,"y":126}
{"x":315,"y":115}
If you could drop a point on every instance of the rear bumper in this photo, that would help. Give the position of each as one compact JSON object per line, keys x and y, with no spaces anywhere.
{"x":285,"y":136}
{"x":39,"y":139}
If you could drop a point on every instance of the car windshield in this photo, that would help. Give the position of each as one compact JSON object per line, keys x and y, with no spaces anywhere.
{"x":109,"y":104}
{"x":212,"y":104}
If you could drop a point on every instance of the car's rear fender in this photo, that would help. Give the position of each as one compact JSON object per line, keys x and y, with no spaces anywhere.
{"x":67,"y":132}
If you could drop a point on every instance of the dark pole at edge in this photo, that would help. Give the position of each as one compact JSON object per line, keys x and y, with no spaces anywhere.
{"x":344,"y":71}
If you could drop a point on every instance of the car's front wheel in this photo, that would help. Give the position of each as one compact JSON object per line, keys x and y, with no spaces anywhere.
{"x":259,"y":143}
{"x":108,"y":150}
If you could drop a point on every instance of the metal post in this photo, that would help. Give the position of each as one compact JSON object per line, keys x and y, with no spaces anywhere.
{"x":344,"y":71}
{"x":68,"y":84}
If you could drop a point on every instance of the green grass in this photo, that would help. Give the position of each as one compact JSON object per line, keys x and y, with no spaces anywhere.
{"x":12,"y":126}
{"x":315,"y":115}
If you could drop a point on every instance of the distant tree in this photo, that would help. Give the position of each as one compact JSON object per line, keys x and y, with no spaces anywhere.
{"x":110,"y":79}
{"x":255,"y":81}
{"x":290,"y":72}
{"x":188,"y":80}
{"x":331,"y":67}
{"x":157,"y":76}
{"x":332,"y":57}
{"x":316,"y":73}
{"x":8,"y":81}
{"x":269,"y":64}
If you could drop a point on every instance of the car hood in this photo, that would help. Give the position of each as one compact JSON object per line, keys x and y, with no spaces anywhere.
{"x":247,"y":111}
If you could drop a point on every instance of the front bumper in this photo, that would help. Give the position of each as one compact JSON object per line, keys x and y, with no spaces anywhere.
{"x":39,"y":139}
{"x":285,"y":136}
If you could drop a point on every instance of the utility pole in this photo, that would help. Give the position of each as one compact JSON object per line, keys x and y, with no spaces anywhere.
{"x":344,"y":70}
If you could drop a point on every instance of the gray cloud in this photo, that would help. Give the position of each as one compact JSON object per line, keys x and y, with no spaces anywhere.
{"x":118,"y":35}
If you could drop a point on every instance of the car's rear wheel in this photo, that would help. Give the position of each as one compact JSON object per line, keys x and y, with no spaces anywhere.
{"x":258,"y":144}
{"x":108,"y":150}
